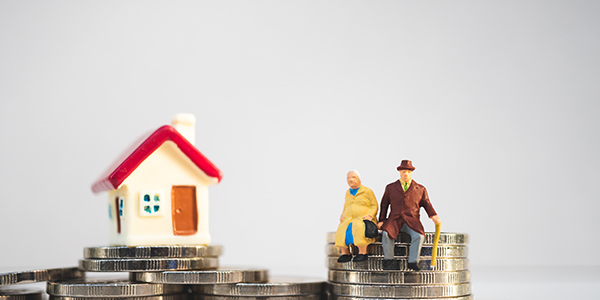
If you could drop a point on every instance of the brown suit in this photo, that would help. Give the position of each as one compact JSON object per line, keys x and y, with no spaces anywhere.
{"x":405,"y":208}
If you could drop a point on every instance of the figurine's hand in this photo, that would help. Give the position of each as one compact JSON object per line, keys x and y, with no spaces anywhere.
{"x":379,"y":225}
{"x":368,"y":217}
{"x":436,"y":219}
{"x":341,"y":218}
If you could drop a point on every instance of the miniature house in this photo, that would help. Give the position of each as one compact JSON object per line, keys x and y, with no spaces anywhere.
{"x":158,"y":191}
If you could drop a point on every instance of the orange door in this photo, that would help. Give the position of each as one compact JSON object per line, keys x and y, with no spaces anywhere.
{"x":184,"y":210}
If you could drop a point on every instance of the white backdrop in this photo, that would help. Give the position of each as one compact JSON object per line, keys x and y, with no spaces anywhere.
{"x":495,"y":102}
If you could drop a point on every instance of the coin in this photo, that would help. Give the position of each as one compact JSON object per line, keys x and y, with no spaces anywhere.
{"x":279,"y":286}
{"x":109,"y":288}
{"x":294,"y":297}
{"x":422,"y":278}
{"x":400,"y":291}
{"x":376,"y":250}
{"x":181,"y":251}
{"x":376,"y":264}
{"x":340,"y":297}
{"x":39,"y":275}
{"x":446,"y":238}
{"x":141,"y":265}
{"x":20,"y":294}
{"x":161,"y":297}
{"x":220,"y":276}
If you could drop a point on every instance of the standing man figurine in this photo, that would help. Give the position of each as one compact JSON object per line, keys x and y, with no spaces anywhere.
{"x":360,"y":205}
{"x":406,"y":197}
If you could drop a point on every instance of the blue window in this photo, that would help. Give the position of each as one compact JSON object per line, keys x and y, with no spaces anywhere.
{"x":150,"y":203}
{"x":121,"y":209}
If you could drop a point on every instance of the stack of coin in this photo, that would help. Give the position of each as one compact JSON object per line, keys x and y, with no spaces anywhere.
{"x":130,"y":261}
{"x":102,"y":289}
{"x":449,"y":279}
{"x":20,"y":294}
{"x":154,"y":273}
{"x":279,"y":288}
{"x":204,"y":277}
{"x":11,"y":278}
{"x":150,"y":258}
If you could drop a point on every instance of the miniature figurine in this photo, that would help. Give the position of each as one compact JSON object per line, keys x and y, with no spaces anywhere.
{"x":158,"y":191}
{"x":406,"y":197}
{"x":360,"y":206}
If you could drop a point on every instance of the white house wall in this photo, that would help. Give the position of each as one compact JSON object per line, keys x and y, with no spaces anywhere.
{"x":166,"y":167}
{"x":114,"y":211}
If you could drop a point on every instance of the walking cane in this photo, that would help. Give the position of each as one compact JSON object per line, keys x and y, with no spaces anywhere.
{"x":436,"y":238}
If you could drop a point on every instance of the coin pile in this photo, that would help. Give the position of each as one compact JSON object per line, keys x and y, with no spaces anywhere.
{"x":449,"y":279}
{"x":20,"y":294}
{"x":112,"y":288}
{"x":276,"y":288}
{"x":13,"y":277}
{"x":150,"y":258}
{"x":157,"y":273}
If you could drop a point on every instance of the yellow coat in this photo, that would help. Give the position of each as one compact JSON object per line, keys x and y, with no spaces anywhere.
{"x":355,"y":208}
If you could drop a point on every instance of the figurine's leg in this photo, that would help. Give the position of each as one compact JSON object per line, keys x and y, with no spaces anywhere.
{"x":388,"y":252}
{"x":349,"y":240}
{"x":388,"y":245}
{"x":362,"y":249}
{"x":416,"y":243}
{"x":362,"y":254}
{"x":345,"y":250}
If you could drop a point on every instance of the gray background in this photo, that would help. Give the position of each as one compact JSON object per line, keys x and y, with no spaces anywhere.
{"x":496,"y":103}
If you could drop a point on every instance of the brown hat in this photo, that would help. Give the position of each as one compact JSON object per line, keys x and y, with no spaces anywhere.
{"x":406,"y":165}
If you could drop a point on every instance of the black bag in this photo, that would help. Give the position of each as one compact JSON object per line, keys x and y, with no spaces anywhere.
{"x":370,"y":229}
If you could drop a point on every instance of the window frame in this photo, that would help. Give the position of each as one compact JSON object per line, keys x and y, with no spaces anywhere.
{"x":152,"y":194}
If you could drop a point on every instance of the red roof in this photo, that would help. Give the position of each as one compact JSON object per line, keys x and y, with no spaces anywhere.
{"x":121,"y":169}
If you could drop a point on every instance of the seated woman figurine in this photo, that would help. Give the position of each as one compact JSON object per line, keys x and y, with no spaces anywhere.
{"x":360,"y":205}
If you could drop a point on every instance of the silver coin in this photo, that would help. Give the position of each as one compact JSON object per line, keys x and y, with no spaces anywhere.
{"x":148,"y":265}
{"x":407,"y":278}
{"x":161,"y":297}
{"x":28,"y":276}
{"x":400,"y":291}
{"x":446,"y":238}
{"x":20,"y":294}
{"x":376,"y":264}
{"x":297,"y":297}
{"x":339,"y":297}
{"x":181,"y":251}
{"x":376,"y":250}
{"x":279,"y":286}
{"x":109,"y":288}
{"x":219,"y":276}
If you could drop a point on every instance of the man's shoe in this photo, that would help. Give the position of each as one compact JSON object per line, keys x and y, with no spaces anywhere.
{"x":391,"y":264}
{"x":344,"y":258}
{"x":414,"y":266}
{"x":360,"y":257}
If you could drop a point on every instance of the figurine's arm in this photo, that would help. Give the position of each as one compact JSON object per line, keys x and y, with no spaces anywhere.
{"x":373,"y":207}
{"x":426,"y":204}
{"x":346,"y":203}
{"x":385,"y":203}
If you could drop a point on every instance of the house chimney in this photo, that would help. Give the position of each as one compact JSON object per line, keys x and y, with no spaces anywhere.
{"x":185,"y":125}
